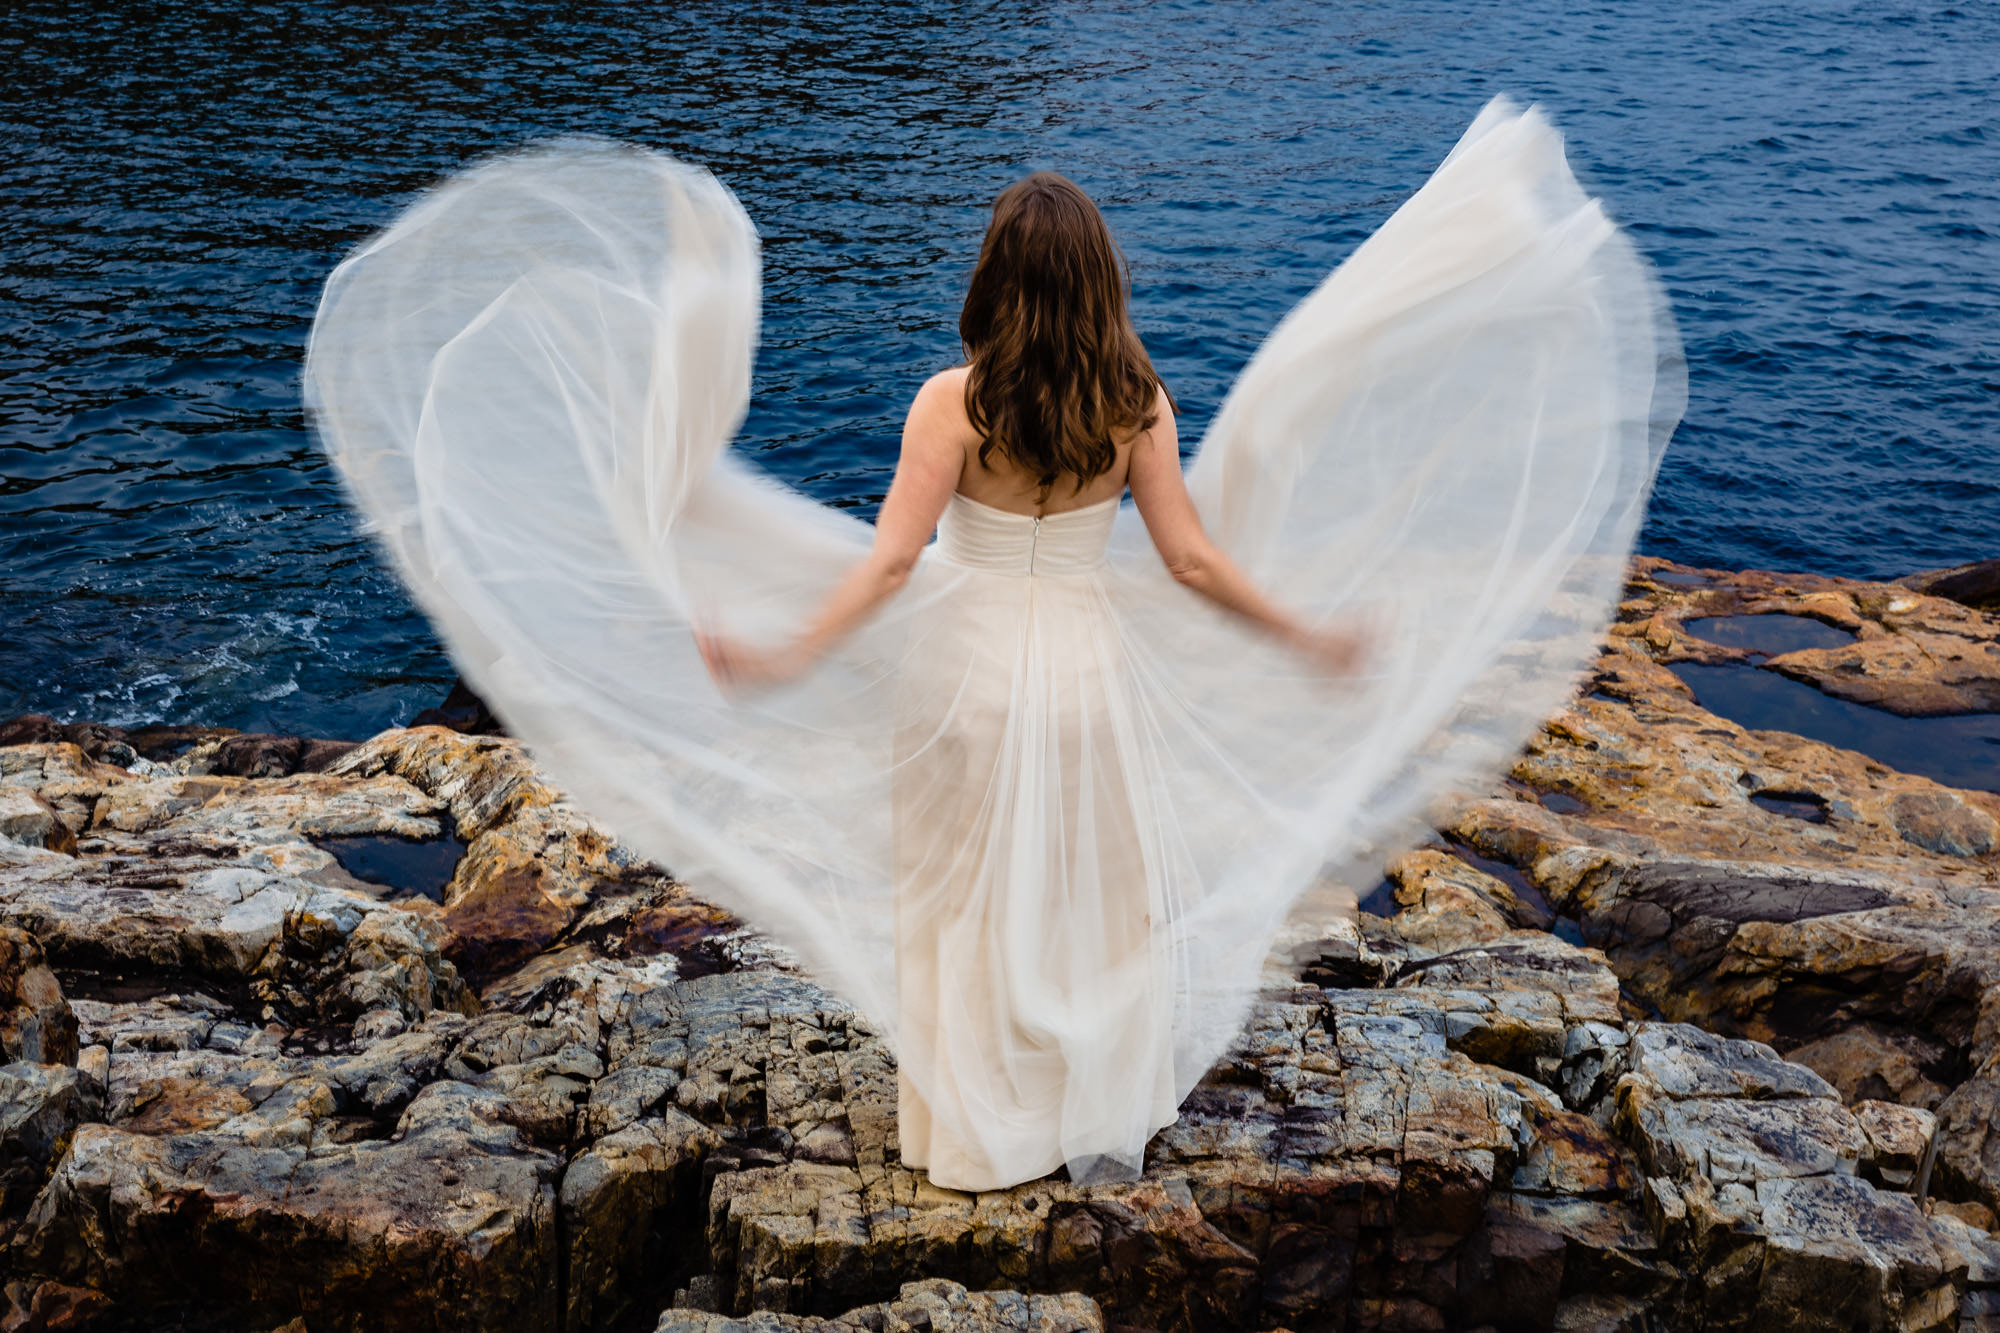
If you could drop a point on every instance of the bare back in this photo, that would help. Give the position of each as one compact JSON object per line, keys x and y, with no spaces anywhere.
{"x":941,"y":457}
{"x":1004,"y":486}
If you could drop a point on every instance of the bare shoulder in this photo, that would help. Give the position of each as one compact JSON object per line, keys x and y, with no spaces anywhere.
{"x":943,"y":392}
{"x":944,"y":389}
{"x":1162,"y":427}
{"x":939,"y":407}
{"x":950,"y":380}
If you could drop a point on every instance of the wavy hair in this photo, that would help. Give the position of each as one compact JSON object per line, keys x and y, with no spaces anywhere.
{"x":1057,"y":372}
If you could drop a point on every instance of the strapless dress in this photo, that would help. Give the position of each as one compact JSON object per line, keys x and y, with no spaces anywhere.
{"x":1040,"y":819}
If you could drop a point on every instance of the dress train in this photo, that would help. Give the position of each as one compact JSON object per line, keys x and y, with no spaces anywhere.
{"x":1041,"y":818}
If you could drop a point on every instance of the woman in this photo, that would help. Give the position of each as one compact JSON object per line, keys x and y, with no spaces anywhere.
{"x":1057,"y":390}
{"x":1023,"y":452}
{"x":1036,"y":798}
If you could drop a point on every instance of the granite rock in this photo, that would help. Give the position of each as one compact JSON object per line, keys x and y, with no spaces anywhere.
{"x":1842,"y":1255}
{"x":933,"y":1305}
{"x":1915,"y":653}
{"x":1852,"y":918}
{"x":571,"y":1089}
{"x":36,"y":1022}
{"x":1976,"y":585}
{"x":1968,"y":1159}
{"x":1899,"y":1139}
{"x":53,"y":1307}
{"x":28,"y":819}
{"x":628,"y":1204}
{"x":533,"y":863}
{"x":97,"y":739}
{"x":41,"y":1107}
{"x":231,"y":1190}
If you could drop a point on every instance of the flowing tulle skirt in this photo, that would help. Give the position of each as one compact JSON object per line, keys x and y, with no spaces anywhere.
{"x":1033,"y":894}
{"x":1041,"y":824}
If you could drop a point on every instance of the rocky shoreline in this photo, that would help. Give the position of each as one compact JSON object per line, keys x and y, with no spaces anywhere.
{"x":1693,"y":1024}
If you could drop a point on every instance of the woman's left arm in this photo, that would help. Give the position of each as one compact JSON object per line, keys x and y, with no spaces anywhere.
{"x":927,"y":472}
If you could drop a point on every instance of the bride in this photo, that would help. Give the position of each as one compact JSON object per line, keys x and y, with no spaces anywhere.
{"x":1036,"y":796}
{"x":1025,"y":958}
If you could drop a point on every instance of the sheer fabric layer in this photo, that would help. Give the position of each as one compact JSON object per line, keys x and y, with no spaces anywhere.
{"x":1031,"y":982}
{"x":1042,"y":817}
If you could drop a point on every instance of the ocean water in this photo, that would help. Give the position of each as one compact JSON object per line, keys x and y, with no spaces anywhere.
{"x":1818,"y":183}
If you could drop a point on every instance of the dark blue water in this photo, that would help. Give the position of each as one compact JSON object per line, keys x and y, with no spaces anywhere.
{"x":1819,"y":184}
{"x":1768,"y":635}
{"x":1962,"y":751}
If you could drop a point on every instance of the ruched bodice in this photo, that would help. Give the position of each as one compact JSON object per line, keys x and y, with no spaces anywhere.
{"x":978,"y":536}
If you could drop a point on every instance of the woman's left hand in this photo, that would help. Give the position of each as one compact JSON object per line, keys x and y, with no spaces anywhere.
{"x":736,"y":665}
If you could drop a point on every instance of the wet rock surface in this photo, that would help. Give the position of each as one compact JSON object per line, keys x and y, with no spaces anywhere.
{"x":1688,"y":1026}
{"x":461,"y":710}
{"x":1914,"y":653}
{"x":221,"y":750}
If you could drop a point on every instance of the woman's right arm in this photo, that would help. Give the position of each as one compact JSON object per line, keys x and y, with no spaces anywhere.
{"x":926,"y":475}
{"x":1160,"y":492}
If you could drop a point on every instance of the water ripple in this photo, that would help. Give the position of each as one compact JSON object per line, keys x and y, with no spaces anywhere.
{"x":1815,"y":180}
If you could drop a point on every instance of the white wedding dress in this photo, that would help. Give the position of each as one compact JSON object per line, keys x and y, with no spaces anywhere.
{"x":1041,"y":818}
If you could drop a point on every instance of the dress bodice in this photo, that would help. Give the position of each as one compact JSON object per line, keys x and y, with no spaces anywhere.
{"x":978,"y":536}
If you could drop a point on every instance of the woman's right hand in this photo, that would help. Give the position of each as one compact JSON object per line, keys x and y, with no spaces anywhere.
{"x":735,"y":665}
{"x":1337,"y":652}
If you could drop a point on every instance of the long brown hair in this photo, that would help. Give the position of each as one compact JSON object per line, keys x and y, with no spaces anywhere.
{"x":1057,"y":372}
